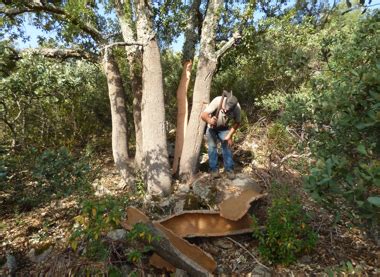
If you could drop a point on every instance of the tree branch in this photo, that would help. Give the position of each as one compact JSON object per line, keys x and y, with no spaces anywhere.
{"x":228,"y":45}
{"x":14,"y":11}
{"x":38,"y":6}
{"x":63,"y":53}
{"x":122,"y":43}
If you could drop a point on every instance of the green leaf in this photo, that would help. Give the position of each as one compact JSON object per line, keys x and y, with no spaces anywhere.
{"x":374,"y":200}
{"x":362,"y":125}
{"x":350,"y":267}
{"x":361,"y":149}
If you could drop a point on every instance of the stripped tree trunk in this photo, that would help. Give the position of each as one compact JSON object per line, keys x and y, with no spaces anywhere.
{"x":118,"y":114}
{"x":191,"y":39}
{"x":182,"y":112}
{"x":205,"y":72}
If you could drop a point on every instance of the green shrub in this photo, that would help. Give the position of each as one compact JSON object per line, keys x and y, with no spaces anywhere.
{"x":287,"y":232}
{"x":280,"y":138}
{"x":346,"y":117}
{"x":98,"y":216}
{"x":59,"y":172}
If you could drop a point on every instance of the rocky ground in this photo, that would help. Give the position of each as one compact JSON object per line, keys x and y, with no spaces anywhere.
{"x":36,"y":241}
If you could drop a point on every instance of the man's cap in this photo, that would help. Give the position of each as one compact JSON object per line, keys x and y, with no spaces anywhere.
{"x":231,"y":102}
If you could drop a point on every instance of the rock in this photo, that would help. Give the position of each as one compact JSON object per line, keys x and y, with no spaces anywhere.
{"x":179,"y":206}
{"x":245,"y":182}
{"x":180,"y":273}
{"x":202,"y":190}
{"x":260,"y":271}
{"x":125,"y":270}
{"x":118,"y":234}
{"x":305,"y":259}
{"x":164,"y":204}
{"x":100,"y":190}
{"x":184,"y":188}
{"x":11,"y":264}
{"x":41,"y":257}
{"x":223,"y":243}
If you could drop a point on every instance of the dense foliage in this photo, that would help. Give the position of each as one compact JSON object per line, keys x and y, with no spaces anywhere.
{"x":287,"y":231}
{"x":46,"y":103}
{"x":339,"y":109}
{"x":319,"y":77}
{"x":312,"y":73}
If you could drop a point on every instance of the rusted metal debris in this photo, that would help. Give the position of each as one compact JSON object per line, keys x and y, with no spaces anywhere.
{"x":234,"y":208}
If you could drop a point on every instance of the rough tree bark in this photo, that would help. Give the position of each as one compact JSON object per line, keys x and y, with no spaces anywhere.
{"x":205,"y":71}
{"x":135,"y":73}
{"x":191,"y":39}
{"x":155,"y":160}
{"x":114,"y":79}
{"x":119,"y":118}
{"x":208,"y":60}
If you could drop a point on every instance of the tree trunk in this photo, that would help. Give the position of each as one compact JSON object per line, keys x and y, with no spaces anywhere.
{"x":135,"y":73}
{"x":195,"y":128}
{"x":191,"y":39}
{"x":201,"y":97}
{"x":156,"y":162}
{"x":136,"y":81}
{"x":155,"y":152}
{"x":182,"y":113}
{"x":118,"y":115}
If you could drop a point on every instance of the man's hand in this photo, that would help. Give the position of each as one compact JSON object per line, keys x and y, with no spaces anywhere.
{"x":212,"y":121}
{"x":229,"y":140}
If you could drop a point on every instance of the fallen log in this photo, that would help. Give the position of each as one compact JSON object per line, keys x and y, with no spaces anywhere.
{"x":175,"y":250}
{"x":234,"y":208}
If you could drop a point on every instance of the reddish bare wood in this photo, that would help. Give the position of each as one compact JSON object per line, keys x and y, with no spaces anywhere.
{"x":234,"y":208}
{"x":177,"y":251}
{"x":205,"y":224}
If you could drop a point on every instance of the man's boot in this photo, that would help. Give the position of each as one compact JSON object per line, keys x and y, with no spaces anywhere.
{"x":215,"y":174}
{"x":230,"y":174}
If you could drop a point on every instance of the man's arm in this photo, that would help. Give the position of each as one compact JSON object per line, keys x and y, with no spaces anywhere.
{"x":230,"y":134}
{"x":206,"y":118}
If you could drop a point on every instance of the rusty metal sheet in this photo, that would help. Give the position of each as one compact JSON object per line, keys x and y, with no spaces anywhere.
{"x":205,"y":223}
{"x":236,"y":207}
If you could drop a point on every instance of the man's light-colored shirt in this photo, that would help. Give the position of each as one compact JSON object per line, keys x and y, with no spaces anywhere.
{"x":223,"y":118}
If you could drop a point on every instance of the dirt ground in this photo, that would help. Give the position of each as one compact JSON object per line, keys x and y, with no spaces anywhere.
{"x":342,"y":247}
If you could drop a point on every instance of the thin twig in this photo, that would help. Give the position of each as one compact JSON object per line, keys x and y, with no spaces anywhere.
{"x":249,"y":253}
{"x":261,"y":177}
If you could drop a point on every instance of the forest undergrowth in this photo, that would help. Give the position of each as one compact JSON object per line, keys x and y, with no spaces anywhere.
{"x":266,"y":152}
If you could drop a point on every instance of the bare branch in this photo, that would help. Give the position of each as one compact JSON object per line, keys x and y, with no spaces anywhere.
{"x":14,"y":11}
{"x":228,"y":45}
{"x":122,"y":43}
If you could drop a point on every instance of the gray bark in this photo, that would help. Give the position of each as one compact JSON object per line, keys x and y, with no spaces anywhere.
{"x":191,"y":39}
{"x":155,"y":159}
{"x":135,"y":74}
{"x":205,"y":72}
{"x":118,"y":115}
